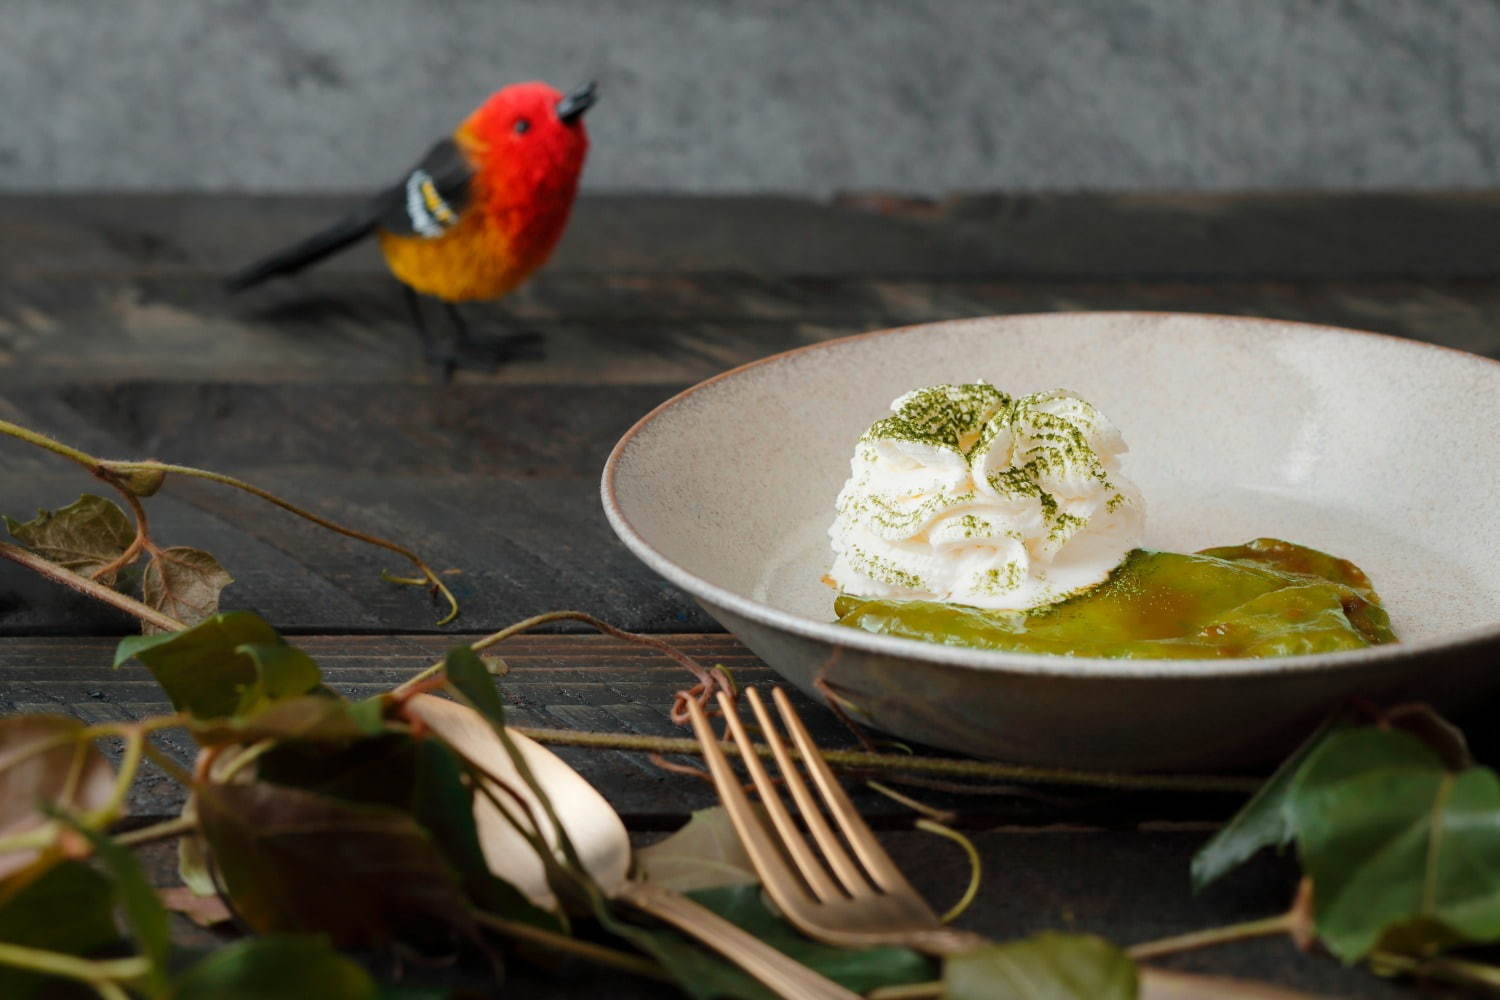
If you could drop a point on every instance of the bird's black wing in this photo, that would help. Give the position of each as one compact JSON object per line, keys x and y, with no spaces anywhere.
{"x":432,"y":196}
{"x":426,"y":203}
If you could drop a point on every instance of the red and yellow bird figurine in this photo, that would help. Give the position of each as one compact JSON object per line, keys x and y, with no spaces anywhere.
{"x":481,"y":211}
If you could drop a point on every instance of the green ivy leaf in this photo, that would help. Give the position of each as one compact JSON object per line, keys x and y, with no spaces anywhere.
{"x":701,"y":974}
{"x":369,"y":713}
{"x":297,"y":862}
{"x":1398,"y":847}
{"x":144,"y":911}
{"x":312,"y":718}
{"x":1047,"y":966}
{"x":84,"y":536}
{"x":443,"y":803}
{"x":285,"y":671}
{"x":705,"y":854}
{"x":1265,"y":821}
{"x":219,"y":668}
{"x":858,"y":969}
{"x":184,"y":583}
{"x":66,"y":907}
{"x":73,"y":775}
{"x":284,"y":967}
{"x":423,"y":778}
{"x":705,"y":976}
{"x":466,"y":671}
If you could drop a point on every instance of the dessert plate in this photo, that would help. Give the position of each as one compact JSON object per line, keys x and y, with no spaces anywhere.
{"x":1379,"y":449}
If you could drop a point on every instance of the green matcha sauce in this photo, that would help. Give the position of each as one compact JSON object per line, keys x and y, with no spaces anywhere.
{"x":1264,"y":598}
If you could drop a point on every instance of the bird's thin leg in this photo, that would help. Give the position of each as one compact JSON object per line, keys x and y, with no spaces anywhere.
{"x":487,"y":354}
{"x":444,"y":360}
{"x":460,"y":327}
{"x":418,"y":321}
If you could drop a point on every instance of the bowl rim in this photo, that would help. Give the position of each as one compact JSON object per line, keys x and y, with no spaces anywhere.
{"x":1000,"y":661}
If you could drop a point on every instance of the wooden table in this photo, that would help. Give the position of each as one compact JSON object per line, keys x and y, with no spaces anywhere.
{"x":115,"y":337}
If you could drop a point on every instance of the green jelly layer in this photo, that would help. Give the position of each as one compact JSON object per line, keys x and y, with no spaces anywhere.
{"x":1264,"y":598}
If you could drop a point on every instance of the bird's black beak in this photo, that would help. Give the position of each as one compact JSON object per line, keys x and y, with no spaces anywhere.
{"x":576,"y":103}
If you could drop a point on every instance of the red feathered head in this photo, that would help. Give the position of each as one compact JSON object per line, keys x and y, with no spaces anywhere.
{"x":528,"y":142}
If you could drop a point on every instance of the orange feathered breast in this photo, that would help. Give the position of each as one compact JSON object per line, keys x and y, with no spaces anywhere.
{"x":472,"y":260}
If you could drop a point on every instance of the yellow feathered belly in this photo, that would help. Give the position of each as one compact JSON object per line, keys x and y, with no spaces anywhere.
{"x":470,"y":261}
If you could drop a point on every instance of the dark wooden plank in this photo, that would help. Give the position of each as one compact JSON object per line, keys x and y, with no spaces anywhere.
{"x":328,"y":327}
{"x":520,"y":548}
{"x":496,"y":478}
{"x":1076,"y":236}
{"x":571,"y":681}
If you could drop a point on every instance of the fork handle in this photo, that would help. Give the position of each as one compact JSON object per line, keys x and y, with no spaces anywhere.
{"x":783,"y":975}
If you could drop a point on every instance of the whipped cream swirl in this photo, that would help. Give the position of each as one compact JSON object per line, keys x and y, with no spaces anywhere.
{"x":968,"y":496}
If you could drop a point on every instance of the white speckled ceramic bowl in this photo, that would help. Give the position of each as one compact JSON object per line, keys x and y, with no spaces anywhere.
{"x":1378,"y":449}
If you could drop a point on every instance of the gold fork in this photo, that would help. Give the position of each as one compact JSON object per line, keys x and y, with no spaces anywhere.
{"x":839,"y":901}
{"x":836,"y":899}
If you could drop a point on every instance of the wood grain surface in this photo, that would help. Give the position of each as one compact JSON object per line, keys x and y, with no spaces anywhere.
{"x":116,"y":337}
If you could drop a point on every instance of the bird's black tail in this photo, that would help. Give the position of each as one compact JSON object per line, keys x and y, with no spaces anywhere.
{"x":294,"y":258}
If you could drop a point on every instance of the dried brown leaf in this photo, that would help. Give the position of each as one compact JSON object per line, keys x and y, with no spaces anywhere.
{"x":184,"y":583}
{"x":297,"y":862}
{"x":205,"y":911}
{"x":1169,"y":984}
{"x":73,"y":776}
{"x":86,"y":535}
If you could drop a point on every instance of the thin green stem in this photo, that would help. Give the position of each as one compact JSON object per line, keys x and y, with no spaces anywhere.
{"x":75,"y":772}
{"x":130,"y":763}
{"x":864,"y":761}
{"x":406,"y":687}
{"x":845,"y":760}
{"x":243,"y":759}
{"x":1445,"y":968}
{"x":976,"y":867}
{"x":89,"y":588}
{"x":119,"y":474}
{"x":83,"y":458}
{"x":32,"y":840}
{"x":429,"y":577}
{"x":99,"y":469}
{"x":915,"y":805}
{"x":909,"y":991}
{"x":1435,"y":830}
{"x":142,"y":539}
{"x":597,"y":953}
{"x":86,"y":970}
{"x":546,"y":618}
{"x":1282,"y":923}
{"x":149,"y":724}
{"x":110,"y":990}
{"x":175,"y":770}
{"x":156,"y":831}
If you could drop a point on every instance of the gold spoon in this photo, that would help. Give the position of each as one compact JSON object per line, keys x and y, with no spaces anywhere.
{"x":601,"y":843}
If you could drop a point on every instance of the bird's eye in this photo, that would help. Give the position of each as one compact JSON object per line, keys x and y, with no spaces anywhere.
{"x":522,"y":125}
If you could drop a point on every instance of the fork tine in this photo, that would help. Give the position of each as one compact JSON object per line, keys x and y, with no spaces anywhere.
{"x":838,"y":858}
{"x":768,"y":861}
{"x":875,"y":859}
{"x":812,"y":870}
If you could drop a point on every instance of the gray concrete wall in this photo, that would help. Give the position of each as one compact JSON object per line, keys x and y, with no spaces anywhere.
{"x":928,"y":96}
